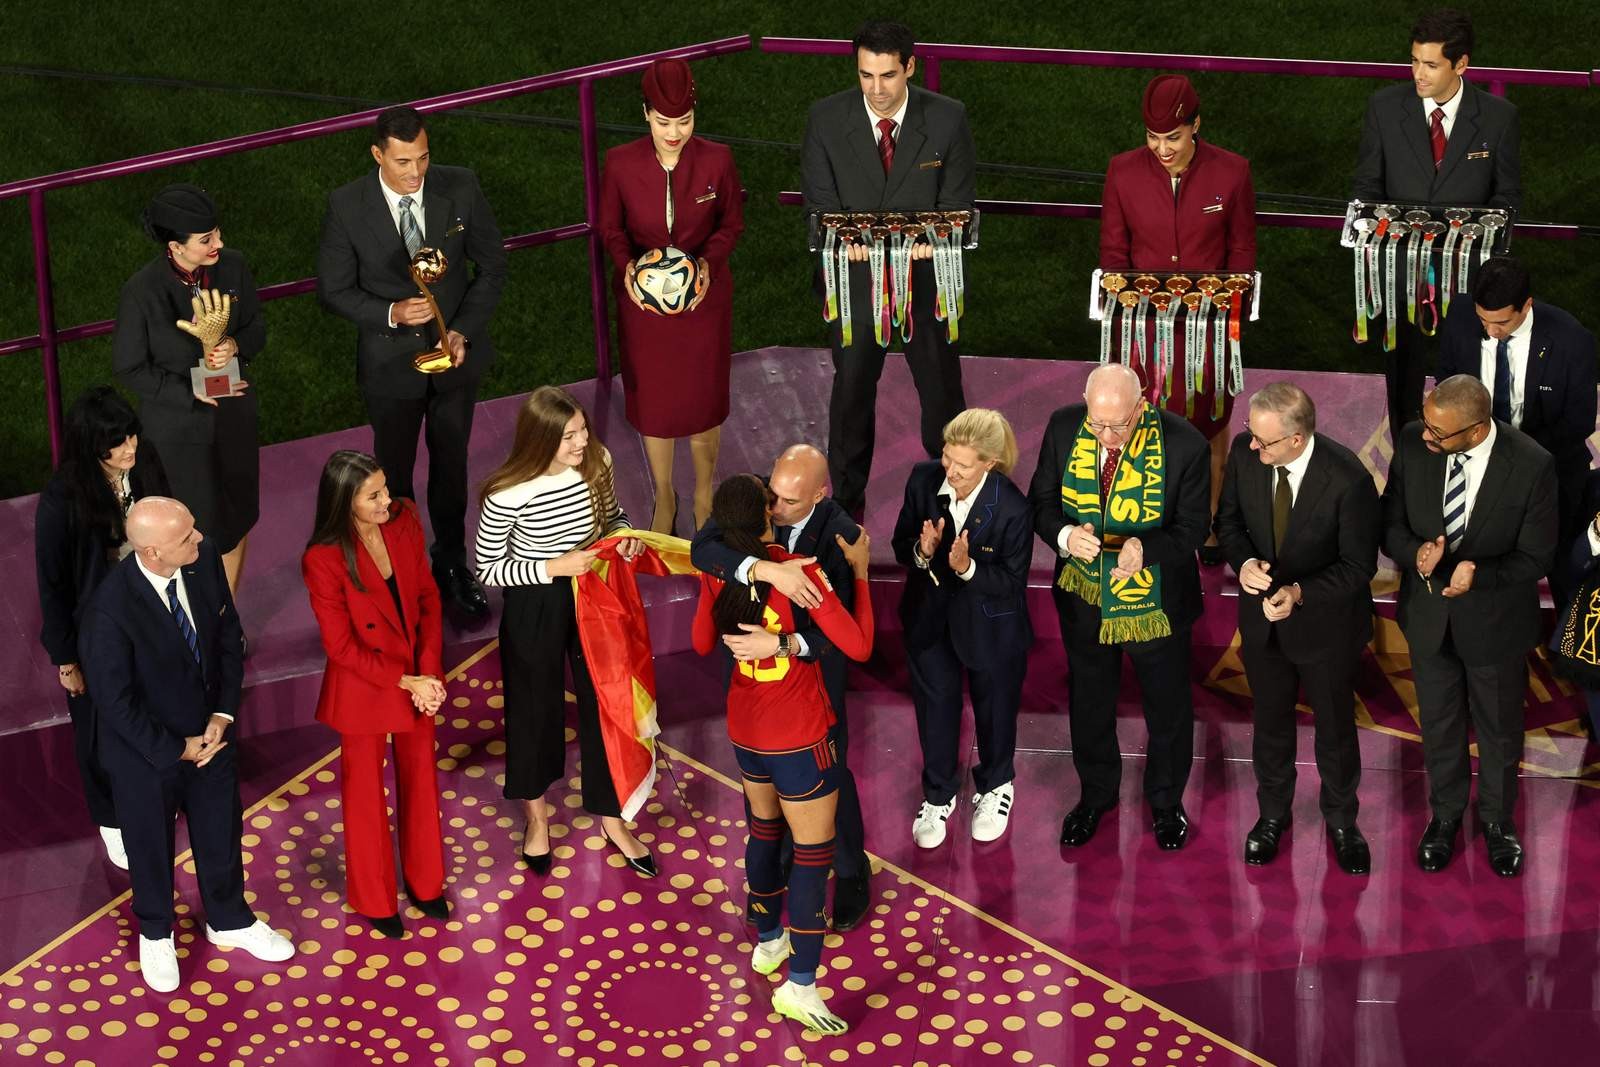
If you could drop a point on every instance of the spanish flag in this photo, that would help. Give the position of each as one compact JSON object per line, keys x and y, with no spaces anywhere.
{"x":616,"y":643}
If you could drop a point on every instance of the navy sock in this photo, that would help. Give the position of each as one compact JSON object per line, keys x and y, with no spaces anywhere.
{"x":762,"y":871}
{"x":808,"y":884}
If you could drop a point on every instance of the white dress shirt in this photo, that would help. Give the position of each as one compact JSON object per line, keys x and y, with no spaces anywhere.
{"x":1296,"y":469}
{"x":959,"y":510}
{"x":393,"y":199}
{"x":1517,"y":356}
{"x":1477,"y":463}
{"x":899,"y":117}
{"x":1450,"y":107}
{"x":159,"y":584}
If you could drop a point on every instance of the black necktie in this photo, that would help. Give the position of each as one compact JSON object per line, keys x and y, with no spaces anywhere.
{"x":181,"y":617}
{"x":1282,"y":503}
{"x":782,"y":534}
{"x":1502,"y":380}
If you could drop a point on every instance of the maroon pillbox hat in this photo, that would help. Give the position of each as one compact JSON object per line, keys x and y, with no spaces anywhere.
{"x":1169,"y":102}
{"x":669,"y":88}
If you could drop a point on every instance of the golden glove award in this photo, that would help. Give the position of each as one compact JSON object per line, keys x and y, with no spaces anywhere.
{"x":429,"y":265}
{"x":209,"y":326}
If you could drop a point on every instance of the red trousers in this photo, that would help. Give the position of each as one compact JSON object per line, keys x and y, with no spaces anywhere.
{"x":369,"y":849}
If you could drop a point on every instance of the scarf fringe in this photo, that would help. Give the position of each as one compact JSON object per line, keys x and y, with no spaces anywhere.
{"x":1076,"y":582}
{"x":1146,"y":627}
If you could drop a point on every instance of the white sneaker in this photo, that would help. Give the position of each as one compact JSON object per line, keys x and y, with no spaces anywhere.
{"x":115,"y":851}
{"x":927,"y":829}
{"x":260,"y":940}
{"x":158,"y":962}
{"x":768,"y":956}
{"x":803,"y":1004}
{"x":991,"y":813}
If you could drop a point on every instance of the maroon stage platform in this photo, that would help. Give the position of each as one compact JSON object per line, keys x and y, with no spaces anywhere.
{"x":1017,"y":951}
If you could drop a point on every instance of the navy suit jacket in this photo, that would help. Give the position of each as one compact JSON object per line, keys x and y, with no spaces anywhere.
{"x":148,"y":690}
{"x":1558,"y":384}
{"x":985,"y":617}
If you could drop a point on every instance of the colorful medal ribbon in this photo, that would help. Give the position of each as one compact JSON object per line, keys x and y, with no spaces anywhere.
{"x":1144,"y":285}
{"x":1178,"y":286}
{"x":847,"y":237}
{"x":1208,"y":286}
{"x":897,"y":251}
{"x":1391,"y":319}
{"x":1427,"y":285}
{"x":1455,"y":217}
{"x":1193,"y":342}
{"x":1129,"y":300}
{"x":909,"y":232}
{"x":1112,"y":284}
{"x":1374,"y":278}
{"x":1470,"y":232}
{"x":1492,"y":222}
{"x":880,"y":302}
{"x":1164,"y":303}
{"x":1363,"y":228}
{"x":1415,"y":221}
{"x":1237,"y":285}
{"x":830,"y":279}
{"x":945,"y":259}
{"x":1219,"y":351}
{"x":958,"y":222}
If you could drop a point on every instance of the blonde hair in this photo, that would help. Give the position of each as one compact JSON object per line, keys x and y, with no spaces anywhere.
{"x":987,"y":432}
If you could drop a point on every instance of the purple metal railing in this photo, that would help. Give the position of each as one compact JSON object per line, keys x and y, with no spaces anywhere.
{"x":930,"y":56}
{"x":1287,"y":219}
{"x":49,"y":338}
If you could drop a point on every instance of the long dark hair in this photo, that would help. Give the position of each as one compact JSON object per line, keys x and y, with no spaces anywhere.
{"x":342,"y":477}
{"x":541,"y":421}
{"x":98,"y":421}
{"x":740,"y":510}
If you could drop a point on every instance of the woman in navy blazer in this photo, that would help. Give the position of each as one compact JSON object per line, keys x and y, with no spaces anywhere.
{"x":965,"y":537}
{"x":377,"y":606}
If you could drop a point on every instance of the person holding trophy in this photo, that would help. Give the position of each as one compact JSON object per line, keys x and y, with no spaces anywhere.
{"x":671,"y":211}
{"x":187,"y":324}
{"x":393,"y":260}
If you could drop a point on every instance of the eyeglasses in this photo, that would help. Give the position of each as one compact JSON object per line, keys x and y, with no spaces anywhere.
{"x":1116,"y":427}
{"x":1443,"y":437}
{"x":1264,"y":445}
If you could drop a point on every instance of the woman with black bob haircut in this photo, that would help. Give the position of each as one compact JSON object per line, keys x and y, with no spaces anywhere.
{"x":207,"y":444}
{"x":78,"y":537}
{"x":782,"y":726}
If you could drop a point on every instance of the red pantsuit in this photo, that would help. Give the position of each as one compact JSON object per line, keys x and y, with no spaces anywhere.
{"x":1208,"y":226}
{"x":371,"y":641}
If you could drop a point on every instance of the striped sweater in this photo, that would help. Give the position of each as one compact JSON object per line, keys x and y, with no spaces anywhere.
{"x":524,"y":525}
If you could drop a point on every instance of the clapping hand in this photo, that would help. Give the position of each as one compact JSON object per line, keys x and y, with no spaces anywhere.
{"x":1082,"y":542}
{"x":932,"y":534}
{"x":1130,"y":559}
{"x":1461,"y":578}
{"x":960,"y":554}
{"x":1428,"y":556}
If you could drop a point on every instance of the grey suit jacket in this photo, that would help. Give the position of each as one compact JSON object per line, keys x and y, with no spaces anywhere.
{"x":362,"y":268}
{"x":1481,"y":164}
{"x":934,"y":160}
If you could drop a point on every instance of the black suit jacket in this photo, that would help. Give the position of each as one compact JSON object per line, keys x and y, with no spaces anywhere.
{"x":1330,"y":548}
{"x":148,"y":691}
{"x":1558,"y":384}
{"x":1580,"y":557}
{"x":985,"y":617}
{"x":1511,"y":536}
{"x":1172,"y":545}
{"x":1481,"y":164}
{"x":362,"y":268}
{"x":152,"y":357}
{"x":934,"y":159}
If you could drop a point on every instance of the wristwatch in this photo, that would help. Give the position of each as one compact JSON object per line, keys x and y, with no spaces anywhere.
{"x":783,"y":647}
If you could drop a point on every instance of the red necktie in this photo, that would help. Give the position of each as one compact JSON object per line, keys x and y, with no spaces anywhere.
{"x":1108,"y":471}
{"x":886,"y":143}
{"x":1438,"y":137}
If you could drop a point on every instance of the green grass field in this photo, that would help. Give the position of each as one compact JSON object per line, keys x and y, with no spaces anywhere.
{"x":1027,"y":281}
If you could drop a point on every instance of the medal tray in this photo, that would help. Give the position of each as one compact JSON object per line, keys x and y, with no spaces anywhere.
{"x":1097,"y":294}
{"x":814,"y":229}
{"x":1360,"y":209}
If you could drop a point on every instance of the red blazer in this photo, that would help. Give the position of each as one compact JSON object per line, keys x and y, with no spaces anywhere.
{"x":1211,"y":226}
{"x":368,"y":647}
{"x":707,"y":202}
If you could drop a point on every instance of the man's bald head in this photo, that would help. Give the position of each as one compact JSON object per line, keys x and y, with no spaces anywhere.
{"x":799,"y":479}
{"x":162,"y":532}
{"x":1114,"y":399}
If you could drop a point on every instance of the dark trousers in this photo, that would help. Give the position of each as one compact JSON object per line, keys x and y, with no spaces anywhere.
{"x":1405,"y":367}
{"x":1094,"y":680}
{"x":936,"y":691}
{"x":1330,"y":687}
{"x":538,"y":641}
{"x":1452,"y":691}
{"x":445,"y":416}
{"x":935,"y":371}
{"x":148,"y":801}
{"x":96,"y":782}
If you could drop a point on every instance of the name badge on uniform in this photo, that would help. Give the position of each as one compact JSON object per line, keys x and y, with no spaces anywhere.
{"x":930,"y":164}
{"x":710,"y":195}
{"x":1211,"y":209}
{"x":457,"y":228}
{"x":1477,"y":155}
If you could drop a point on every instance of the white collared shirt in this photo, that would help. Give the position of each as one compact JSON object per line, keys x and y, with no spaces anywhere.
{"x":959,"y":510}
{"x":1450,"y":107}
{"x":899,"y":117}
{"x":159,"y":584}
{"x":1477,"y":464}
{"x":1296,"y":469}
{"x":393,"y":199}
{"x":1517,"y":356}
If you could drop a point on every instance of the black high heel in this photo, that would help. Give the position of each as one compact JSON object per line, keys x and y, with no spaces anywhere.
{"x":538,"y":863}
{"x":645,"y":865}
{"x":388,"y":925}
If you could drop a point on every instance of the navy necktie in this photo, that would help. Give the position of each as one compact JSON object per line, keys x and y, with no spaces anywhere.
{"x":1502,"y":380}
{"x":182,"y":618}
{"x":1455,"y":501}
{"x":782,"y":534}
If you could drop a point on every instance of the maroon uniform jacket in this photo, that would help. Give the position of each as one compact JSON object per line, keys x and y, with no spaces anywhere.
{"x":1210,"y":225}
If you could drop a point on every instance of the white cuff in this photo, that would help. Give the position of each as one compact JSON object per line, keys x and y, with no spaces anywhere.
{"x":221,"y":715}
{"x":800,"y":646}
{"x":392,"y":324}
{"x":742,"y":573}
{"x":1061,"y":540}
{"x":972,"y":568}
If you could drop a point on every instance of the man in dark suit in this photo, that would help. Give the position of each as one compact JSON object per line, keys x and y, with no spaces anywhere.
{"x":964,"y":537}
{"x":806,"y":521}
{"x":163,"y":651}
{"x":1299,"y":523}
{"x":1101,"y":438}
{"x":372,"y":228}
{"x":1469,"y":517}
{"x":1538,"y":363}
{"x":887,"y":146}
{"x":1438,"y":141}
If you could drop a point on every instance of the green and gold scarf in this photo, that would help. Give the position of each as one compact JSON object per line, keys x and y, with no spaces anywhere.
{"x":1130,"y":608}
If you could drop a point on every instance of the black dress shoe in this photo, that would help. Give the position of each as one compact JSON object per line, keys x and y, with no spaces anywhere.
{"x":1261,"y":843}
{"x":1350,"y":849}
{"x":851,"y":899}
{"x":537,"y":862}
{"x":1505,"y":851}
{"x":388,"y":926}
{"x":437,"y":908}
{"x":1081,"y":823}
{"x":1171,"y":826}
{"x":467,"y":594}
{"x":645,"y":864}
{"x":1211,"y":555}
{"x":1438,"y":844}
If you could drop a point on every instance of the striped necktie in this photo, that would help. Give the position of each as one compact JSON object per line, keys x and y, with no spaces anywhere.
{"x":1455,"y":501}
{"x":410,"y":232}
{"x":182,"y":618}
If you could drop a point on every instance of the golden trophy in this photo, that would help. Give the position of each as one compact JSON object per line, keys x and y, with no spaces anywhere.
{"x":209,"y":326}
{"x":429,"y":265}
